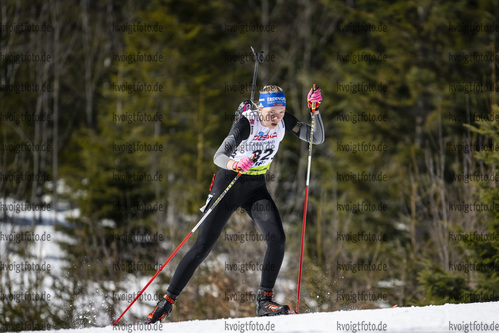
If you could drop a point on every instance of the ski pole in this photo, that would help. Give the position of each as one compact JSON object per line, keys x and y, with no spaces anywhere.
{"x":306,"y":200}
{"x":220,"y":197}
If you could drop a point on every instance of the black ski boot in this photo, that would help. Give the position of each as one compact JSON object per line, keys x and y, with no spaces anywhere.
{"x":162,"y":309}
{"x":266,"y":307}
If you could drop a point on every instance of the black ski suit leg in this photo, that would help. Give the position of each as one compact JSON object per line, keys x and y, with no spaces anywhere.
{"x":264,"y":212}
{"x":208,"y":233}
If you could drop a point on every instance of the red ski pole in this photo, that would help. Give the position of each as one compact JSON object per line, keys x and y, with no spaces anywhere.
{"x":314,"y":106}
{"x":220,"y":197}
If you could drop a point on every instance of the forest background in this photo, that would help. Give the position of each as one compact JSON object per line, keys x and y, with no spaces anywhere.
{"x":114,"y":109}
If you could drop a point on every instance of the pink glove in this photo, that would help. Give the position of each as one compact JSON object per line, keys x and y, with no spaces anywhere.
{"x":314,"y":96}
{"x":243,"y":165}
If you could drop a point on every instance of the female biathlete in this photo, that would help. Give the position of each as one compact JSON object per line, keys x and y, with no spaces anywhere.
{"x":249,"y":148}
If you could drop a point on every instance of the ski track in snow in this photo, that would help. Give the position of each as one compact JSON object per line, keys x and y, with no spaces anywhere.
{"x":467,"y":318}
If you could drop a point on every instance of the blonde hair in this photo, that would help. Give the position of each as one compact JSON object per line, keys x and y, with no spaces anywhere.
{"x":270,"y":89}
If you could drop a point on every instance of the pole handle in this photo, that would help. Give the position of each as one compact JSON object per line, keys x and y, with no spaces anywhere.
{"x":314,"y":104}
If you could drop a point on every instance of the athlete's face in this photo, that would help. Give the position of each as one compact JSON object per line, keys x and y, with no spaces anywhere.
{"x":271,"y":116}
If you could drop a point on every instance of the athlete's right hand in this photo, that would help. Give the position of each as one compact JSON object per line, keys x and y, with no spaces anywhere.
{"x":243,"y":165}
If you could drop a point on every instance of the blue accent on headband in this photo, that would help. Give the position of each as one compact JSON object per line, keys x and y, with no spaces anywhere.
{"x":272,"y":99}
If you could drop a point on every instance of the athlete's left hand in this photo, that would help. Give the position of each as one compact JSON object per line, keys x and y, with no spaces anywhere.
{"x":314,"y":96}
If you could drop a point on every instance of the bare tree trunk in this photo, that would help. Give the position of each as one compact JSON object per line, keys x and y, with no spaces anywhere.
{"x":96,"y":47}
{"x":200,"y":125}
{"x":56,"y":56}
{"x":265,"y":42}
{"x":413,"y":199}
{"x":159,"y":216}
{"x":89,"y":53}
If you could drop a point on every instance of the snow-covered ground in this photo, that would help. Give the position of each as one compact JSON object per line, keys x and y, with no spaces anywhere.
{"x":467,"y":318}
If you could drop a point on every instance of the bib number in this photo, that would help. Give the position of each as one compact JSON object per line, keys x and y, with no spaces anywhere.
{"x":261,"y":156}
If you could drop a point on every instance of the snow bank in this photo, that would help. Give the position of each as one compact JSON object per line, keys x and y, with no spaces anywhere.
{"x":467,"y":318}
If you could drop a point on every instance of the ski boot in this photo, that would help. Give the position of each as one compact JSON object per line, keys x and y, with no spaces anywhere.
{"x":162,"y":309}
{"x":266,"y":307}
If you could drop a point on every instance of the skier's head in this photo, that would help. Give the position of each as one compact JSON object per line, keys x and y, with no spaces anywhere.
{"x":271,"y":105}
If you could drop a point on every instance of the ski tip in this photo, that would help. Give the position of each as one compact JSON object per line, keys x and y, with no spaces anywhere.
{"x":393,"y":307}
